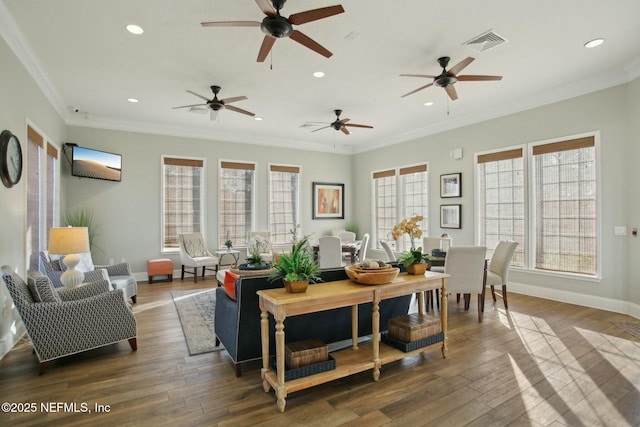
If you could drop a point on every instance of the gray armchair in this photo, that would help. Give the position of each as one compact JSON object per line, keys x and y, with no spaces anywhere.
{"x":119,"y":275}
{"x":62,"y":321}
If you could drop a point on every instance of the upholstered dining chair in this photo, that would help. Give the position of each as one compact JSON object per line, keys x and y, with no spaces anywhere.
{"x":329,"y":252}
{"x":362,"y":253}
{"x":498,"y":270}
{"x":465,"y":267}
{"x":194,"y":254}
{"x":388,"y":251}
{"x":347,"y":236}
{"x":62,"y":321}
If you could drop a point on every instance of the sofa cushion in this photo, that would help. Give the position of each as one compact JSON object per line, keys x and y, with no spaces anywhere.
{"x":230,"y":284}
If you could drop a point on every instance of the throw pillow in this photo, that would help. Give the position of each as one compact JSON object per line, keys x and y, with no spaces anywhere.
{"x":230,"y":284}
{"x":42,"y":290}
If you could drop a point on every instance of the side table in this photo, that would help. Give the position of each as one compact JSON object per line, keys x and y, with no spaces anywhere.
{"x":221,"y":253}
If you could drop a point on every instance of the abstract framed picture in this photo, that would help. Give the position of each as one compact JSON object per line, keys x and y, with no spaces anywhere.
{"x":451,"y":185}
{"x":328,"y":201}
{"x":450,"y":216}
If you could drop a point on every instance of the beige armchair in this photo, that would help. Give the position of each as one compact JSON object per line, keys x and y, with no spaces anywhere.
{"x":194,"y":254}
{"x":62,"y":321}
{"x":260,"y":242}
{"x":465,"y":267}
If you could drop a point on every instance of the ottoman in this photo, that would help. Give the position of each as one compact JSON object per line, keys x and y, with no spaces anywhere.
{"x":160,"y":267}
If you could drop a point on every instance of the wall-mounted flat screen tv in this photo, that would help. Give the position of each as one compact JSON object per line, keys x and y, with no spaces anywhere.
{"x":89,"y":163}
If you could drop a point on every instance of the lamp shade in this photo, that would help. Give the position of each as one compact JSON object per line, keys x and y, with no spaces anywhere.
{"x":68,"y":240}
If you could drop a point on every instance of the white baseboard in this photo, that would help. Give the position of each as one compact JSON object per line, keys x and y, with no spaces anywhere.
{"x":602,"y":303}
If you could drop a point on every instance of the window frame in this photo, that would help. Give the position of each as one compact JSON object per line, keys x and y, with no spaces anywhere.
{"x":400,"y":205}
{"x":530,"y":206}
{"x":203,"y":182}
{"x":242,"y":242}
{"x":285,"y":168}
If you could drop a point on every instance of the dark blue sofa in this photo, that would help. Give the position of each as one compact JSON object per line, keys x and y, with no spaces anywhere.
{"x":237,"y":323}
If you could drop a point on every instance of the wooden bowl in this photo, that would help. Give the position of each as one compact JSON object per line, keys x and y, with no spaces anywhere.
{"x":372,"y":276}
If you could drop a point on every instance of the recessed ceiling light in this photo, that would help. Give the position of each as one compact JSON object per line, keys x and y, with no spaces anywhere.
{"x":133,"y":100}
{"x":593,"y":43}
{"x":318,"y":74}
{"x":428,"y":103}
{"x":258,"y":118}
{"x":134,"y":29}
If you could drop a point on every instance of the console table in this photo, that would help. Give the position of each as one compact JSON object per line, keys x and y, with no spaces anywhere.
{"x":342,"y":293}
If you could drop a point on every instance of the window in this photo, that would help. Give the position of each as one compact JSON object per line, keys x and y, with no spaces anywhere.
{"x":397,"y":194}
{"x":41,"y":190}
{"x":284,"y":197}
{"x":236,"y":201}
{"x":183,"y":199}
{"x":556,"y":226}
{"x":501,"y":201}
{"x":566,"y":206}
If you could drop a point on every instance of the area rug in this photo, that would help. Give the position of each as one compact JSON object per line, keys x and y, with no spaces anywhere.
{"x":631,"y":327}
{"x":196,"y":310}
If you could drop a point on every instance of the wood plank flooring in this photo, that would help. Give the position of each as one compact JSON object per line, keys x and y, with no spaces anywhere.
{"x":541,"y":363}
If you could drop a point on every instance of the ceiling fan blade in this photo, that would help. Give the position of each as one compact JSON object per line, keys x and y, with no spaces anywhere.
{"x":451,"y":91}
{"x":231,"y":24}
{"x":188,"y":106}
{"x":343,"y":121}
{"x":414,"y":91}
{"x":345,"y":130}
{"x":359,"y":126}
{"x":418,"y":75}
{"x":266,"y":7}
{"x":213,"y":115}
{"x":199,"y":96}
{"x":311,"y":44}
{"x":461,"y":65}
{"x":315,"y":14}
{"x":478,"y":78}
{"x":267,"y":44}
{"x":239,"y":110}
{"x":235,"y":99}
{"x":324,"y":127}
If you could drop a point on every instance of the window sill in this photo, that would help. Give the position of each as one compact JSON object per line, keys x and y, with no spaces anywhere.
{"x":558,"y":274}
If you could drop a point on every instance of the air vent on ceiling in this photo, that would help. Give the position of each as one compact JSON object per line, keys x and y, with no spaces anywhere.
{"x":486,"y":41}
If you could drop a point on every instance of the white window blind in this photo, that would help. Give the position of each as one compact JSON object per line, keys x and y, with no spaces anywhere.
{"x":35,"y":211}
{"x":236,"y":201}
{"x":183,"y":194}
{"x":284,"y":195}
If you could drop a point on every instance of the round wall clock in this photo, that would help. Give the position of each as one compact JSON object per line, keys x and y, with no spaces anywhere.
{"x":10,"y":159}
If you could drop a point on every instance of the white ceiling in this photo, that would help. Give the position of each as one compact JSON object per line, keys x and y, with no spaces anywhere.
{"x":82,"y":57}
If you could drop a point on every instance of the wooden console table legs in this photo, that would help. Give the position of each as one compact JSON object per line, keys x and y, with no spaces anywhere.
{"x":375,"y":329}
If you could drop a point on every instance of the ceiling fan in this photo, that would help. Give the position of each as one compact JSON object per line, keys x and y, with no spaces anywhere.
{"x":216,"y":104}
{"x":341,"y":124}
{"x":447,"y":79}
{"x":275,"y":26}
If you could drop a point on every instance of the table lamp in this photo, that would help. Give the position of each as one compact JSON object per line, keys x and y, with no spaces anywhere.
{"x":69,"y":241}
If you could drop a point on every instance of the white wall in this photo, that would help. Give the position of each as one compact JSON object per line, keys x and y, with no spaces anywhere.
{"x":21,"y":102}
{"x":612,"y":112}
{"x":128,"y":212}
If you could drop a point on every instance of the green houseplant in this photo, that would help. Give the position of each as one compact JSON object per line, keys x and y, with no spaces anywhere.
{"x":255,"y":260}
{"x":415,"y":261}
{"x":296,"y":268}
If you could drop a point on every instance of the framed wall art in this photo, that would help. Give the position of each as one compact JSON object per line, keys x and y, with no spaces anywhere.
{"x":328,"y":201}
{"x":450,"y":216}
{"x":451,"y":185}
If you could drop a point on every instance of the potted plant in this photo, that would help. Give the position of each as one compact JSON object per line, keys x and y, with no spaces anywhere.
{"x":228,"y":243}
{"x":255,"y":260}
{"x":414,"y":261}
{"x":296,"y":268}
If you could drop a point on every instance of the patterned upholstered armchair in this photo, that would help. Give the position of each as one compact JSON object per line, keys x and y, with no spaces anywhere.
{"x":119,"y":275}
{"x":62,"y":321}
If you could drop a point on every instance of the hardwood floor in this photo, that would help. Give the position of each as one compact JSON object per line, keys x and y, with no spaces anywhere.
{"x":542,"y":363}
